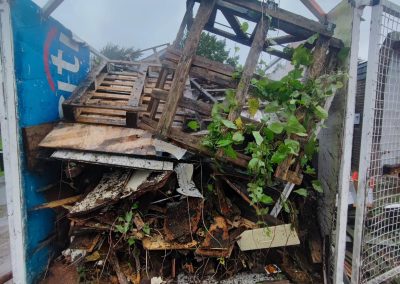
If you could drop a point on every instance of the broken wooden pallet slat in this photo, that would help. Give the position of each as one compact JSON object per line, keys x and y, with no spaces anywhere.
{"x":59,"y":203}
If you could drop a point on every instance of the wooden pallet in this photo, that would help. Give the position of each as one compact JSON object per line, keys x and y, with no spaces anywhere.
{"x":110,"y":92}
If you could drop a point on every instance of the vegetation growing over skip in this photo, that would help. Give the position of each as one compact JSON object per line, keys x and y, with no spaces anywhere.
{"x":294,"y":110}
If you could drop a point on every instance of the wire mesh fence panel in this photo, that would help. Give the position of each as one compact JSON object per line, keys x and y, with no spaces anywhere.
{"x":376,"y":255}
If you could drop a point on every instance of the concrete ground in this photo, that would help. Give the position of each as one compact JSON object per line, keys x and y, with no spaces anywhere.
{"x":5,"y":256}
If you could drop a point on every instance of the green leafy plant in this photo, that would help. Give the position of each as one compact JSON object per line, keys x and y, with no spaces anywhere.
{"x":294,"y":109}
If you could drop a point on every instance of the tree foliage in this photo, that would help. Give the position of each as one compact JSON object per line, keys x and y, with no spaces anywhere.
{"x":214,"y":49}
{"x":115,"y":52}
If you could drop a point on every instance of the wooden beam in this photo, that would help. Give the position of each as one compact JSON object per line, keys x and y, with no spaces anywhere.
{"x":284,"y":39}
{"x":183,"y":68}
{"x":282,"y":19}
{"x":203,"y":91}
{"x":235,"y":24}
{"x":314,"y":8}
{"x":250,"y":66}
{"x":320,"y":58}
{"x":198,"y":106}
{"x":188,"y":17}
{"x":50,"y":6}
{"x":136,"y":93}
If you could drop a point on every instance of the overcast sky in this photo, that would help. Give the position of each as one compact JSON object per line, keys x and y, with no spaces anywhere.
{"x":146,"y":23}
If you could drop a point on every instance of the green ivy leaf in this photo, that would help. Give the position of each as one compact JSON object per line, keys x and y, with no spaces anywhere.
{"x":312,"y":38}
{"x":194,"y":125}
{"x":229,"y":124}
{"x":131,"y":241}
{"x":320,"y":112}
{"x":257,"y":136}
{"x":302,"y":56}
{"x":129,"y":216}
{"x":317,"y":186}
{"x":254,"y":104}
{"x":224,"y":143}
{"x":266,"y":199}
{"x":244,"y":27}
{"x":146,"y":229}
{"x":302,"y":192}
{"x":272,"y":107}
{"x":135,"y":206}
{"x":310,"y":171}
{"x":238,"y":137}
{"x":293,"y":145}
{"x":294,"y":126}
{"x":276,"y":127}
{"x":281,"y":154}
{"x":230,"y":152}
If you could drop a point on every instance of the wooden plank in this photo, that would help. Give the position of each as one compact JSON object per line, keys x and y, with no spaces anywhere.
{"x":100,"y":138}
{"x":101,"y":119}
{"x":264,"y":238}
{"x":203,"y":91}
{"x":115,"y":89}
{"x":118,"y":83}
{"x":185,"y":62}
{"x":111,"y":112}
{"x":119,"y":78}
{"x":284,"y":39}
{"x":200,"y":61}
{"x":108,"y":105}
{"x":138,"y":86}
{"x":198,"y":106}
{"x":100,"y":95}
{"x":108,"y":191}
{"x":250,"y":66}
{"x":59,"y":203}
{"x":115,"y":160}
{"x":185,"y":23}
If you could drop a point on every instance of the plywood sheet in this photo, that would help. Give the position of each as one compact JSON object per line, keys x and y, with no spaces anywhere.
{"x":108,"y":139}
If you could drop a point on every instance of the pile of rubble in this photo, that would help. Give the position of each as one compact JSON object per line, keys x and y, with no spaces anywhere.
{"x":129,"y":226}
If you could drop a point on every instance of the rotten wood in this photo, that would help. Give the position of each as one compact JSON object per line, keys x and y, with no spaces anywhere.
{"x":115,"y":264}
{"x":250,"y":66}
{"x":182,"y":219}
{"x":108,"y":191}
{"x":157,"y":242}
{"x":217,"y":242}
{"x":182,"y":71}
{"x":32,"y":136}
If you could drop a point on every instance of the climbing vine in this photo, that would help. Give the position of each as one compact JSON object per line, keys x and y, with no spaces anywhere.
{"x":292,"y":109}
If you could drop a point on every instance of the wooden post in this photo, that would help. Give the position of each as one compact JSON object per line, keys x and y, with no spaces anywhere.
{"x":250,"y":66}
{"x":186,"y":22}
{"x":183,"y":68}
{"x":320,"y":58}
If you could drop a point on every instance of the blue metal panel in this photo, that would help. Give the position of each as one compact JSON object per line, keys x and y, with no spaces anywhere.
{"x":48,"y":65}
